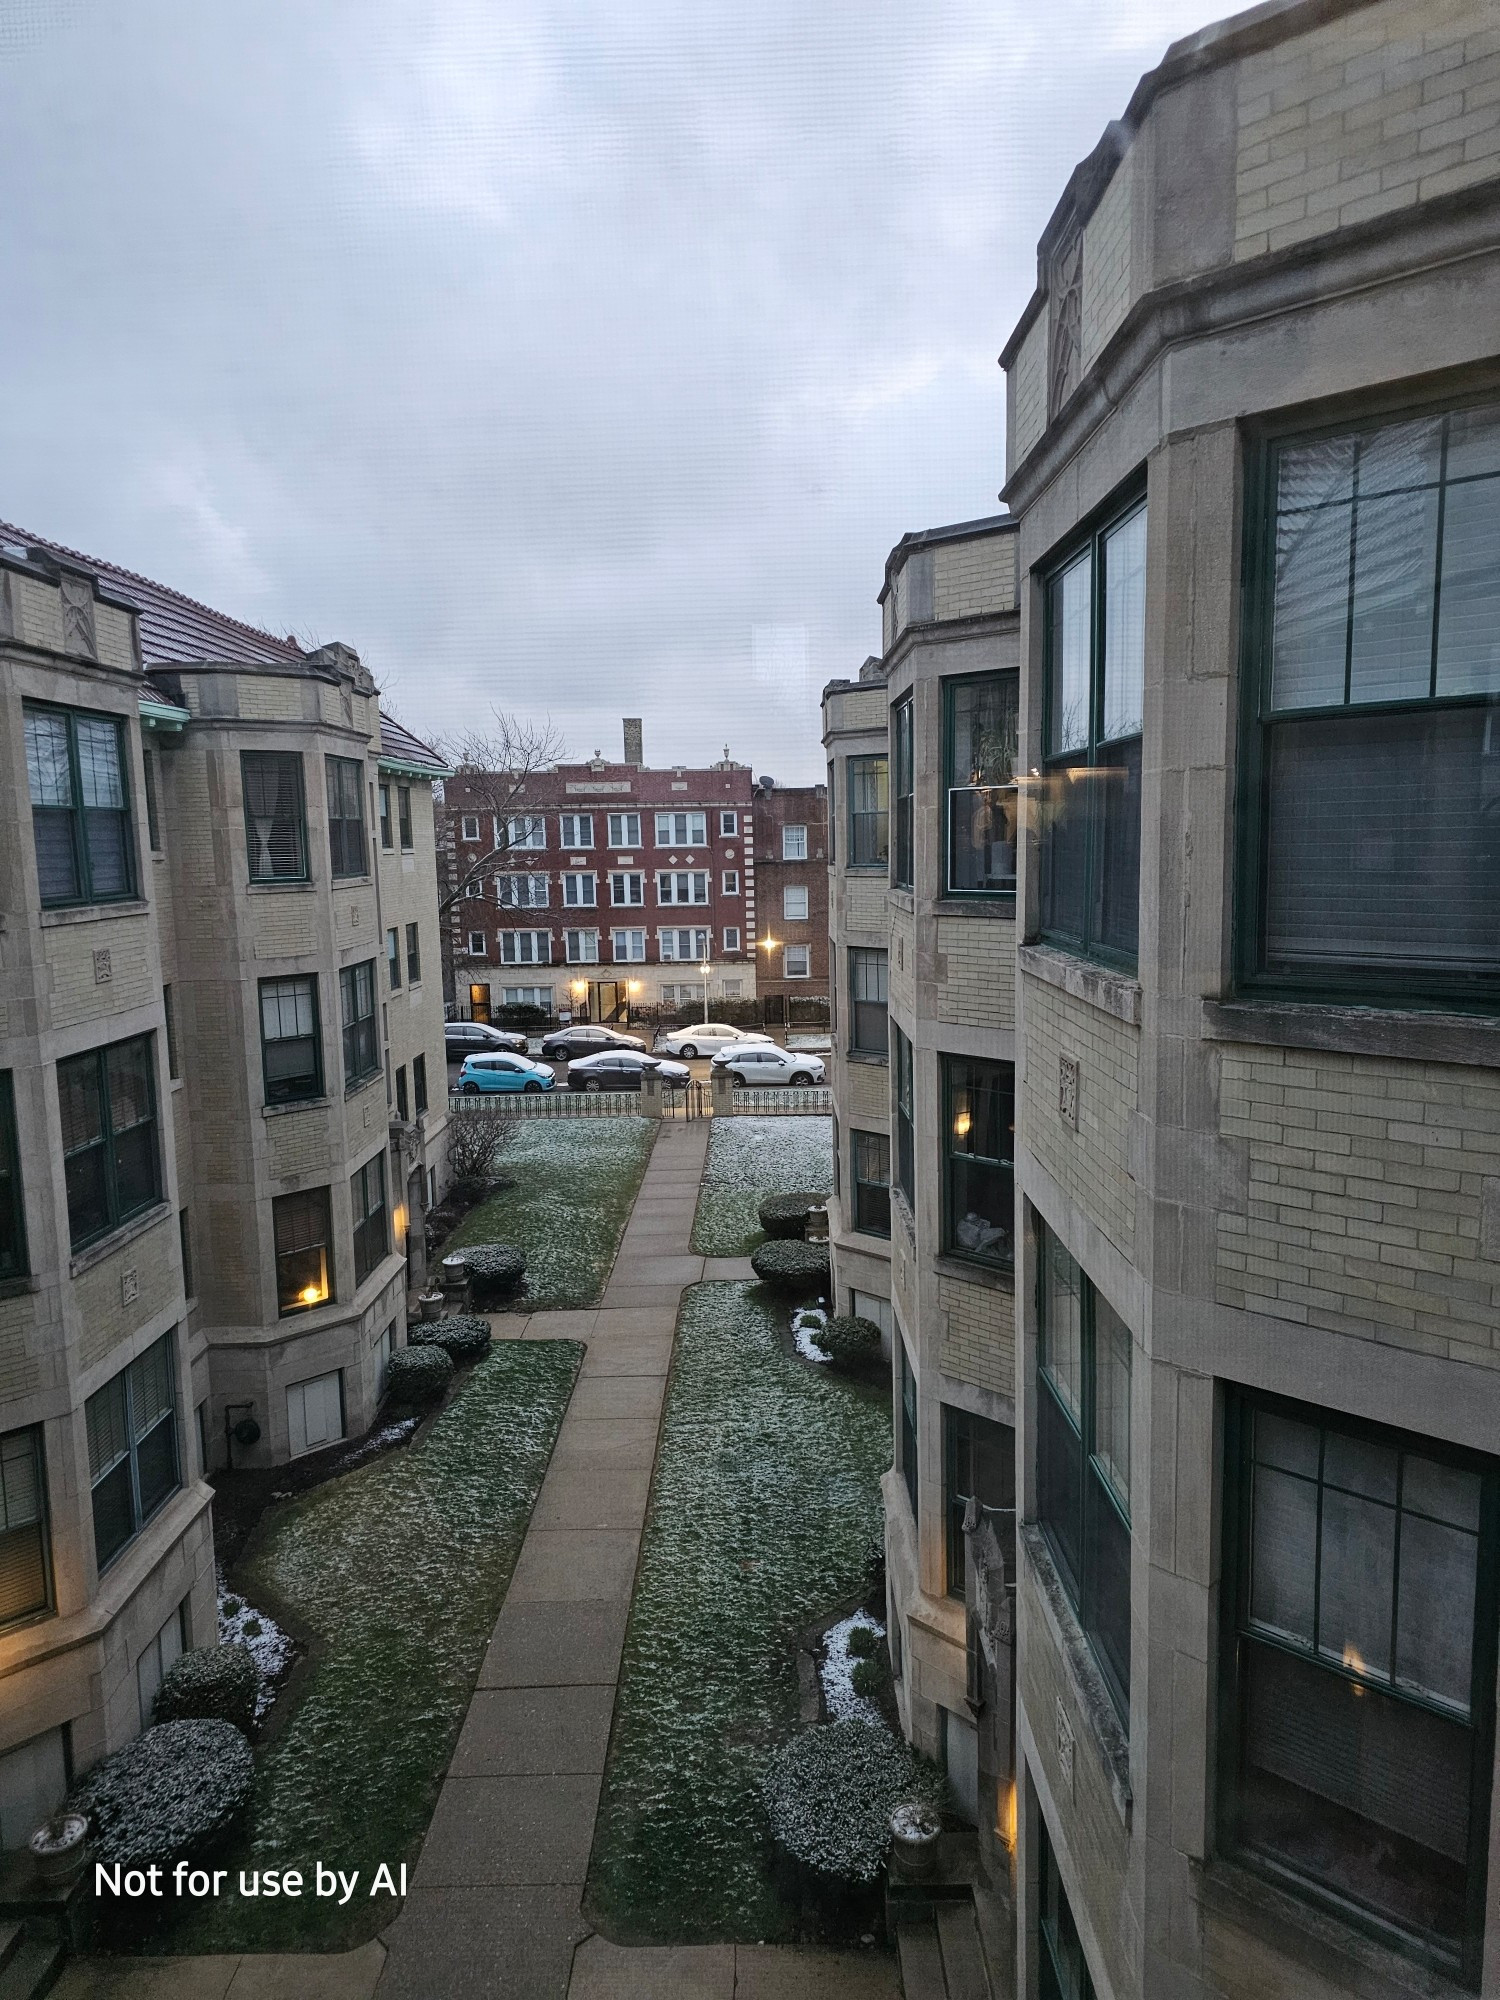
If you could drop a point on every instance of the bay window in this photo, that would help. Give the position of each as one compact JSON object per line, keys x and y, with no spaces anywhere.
{"x":111,"y":1159}
{"x":302,"y":1232}
{"x":871,"y":1171}
{"x":907,"y":1453}
{"x":291,"y":1044}
{"x":903,"y":1117}
{"x":275,"y":815}
{"x":979,"y":1463}
{"x":903,"y":793}
{"x":25,"y":1559}
{"x":357,"y":1007}
{"x":14,"y":1259}
{"x":979,"y":738}
{"x":868,"y":780}
{"x":346,"y":816}
{"x":132,"y":1436}
{"x":76,"y":771}
{"x":978,"y":1167}
{"x":869,"y":1028}
{"x":371,"y":1229}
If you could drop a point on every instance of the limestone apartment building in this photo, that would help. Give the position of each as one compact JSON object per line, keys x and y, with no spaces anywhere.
{"x":922,"y":897}
{"x":222,"y":1103}
{"x":1254,"y":452}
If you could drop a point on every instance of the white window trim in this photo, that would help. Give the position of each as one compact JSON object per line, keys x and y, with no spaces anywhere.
{"x":729,"y":825}
{"x":696,"y":835}
{"x":731,"y":937}
{"x":628,"y":957}
{"x":731,"y":878}
{"x":483,"y":945}
{"x":806,"y":953}
{"x":636,"y":875}
{"x":581,"y":935}
{"x":579,"y":902}
{"x":786,"y":853}
{"x":789,"y":894}
{"x":624,"y":819}
{"x":466,"y":820}
{"x":513,"y":939}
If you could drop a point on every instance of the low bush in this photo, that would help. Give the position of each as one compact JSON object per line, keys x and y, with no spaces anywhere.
{"x":869,"y":1678}
{"x":829,"y":1794}
{"x":175,"y":1792}
{"x":863,"y":1642}
{"x":792,"y":1266}
{"x":521,"y":1014}
{"x":464,"y":1336}
{"x":212,"y":1683}
{"x":851,"y":1343}
{"x":418,"y":1375}
{"x":495,"y":1270}
{"x":786,"y":1214}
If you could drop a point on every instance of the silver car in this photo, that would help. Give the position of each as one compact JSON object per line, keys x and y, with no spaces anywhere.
{"x":758,"y":1064}
{"x":705,"y":1038}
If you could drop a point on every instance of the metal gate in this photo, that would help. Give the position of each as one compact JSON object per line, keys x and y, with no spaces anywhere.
{"x":686,"y":1100}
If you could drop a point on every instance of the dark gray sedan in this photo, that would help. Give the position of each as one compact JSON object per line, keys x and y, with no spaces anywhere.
{"x":624,"y":1069}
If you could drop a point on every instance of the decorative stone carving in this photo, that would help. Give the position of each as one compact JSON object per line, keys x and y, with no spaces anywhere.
{"x":1067,"y":1090}
{"x":1065,"y":363}
{"x":78,"y":617}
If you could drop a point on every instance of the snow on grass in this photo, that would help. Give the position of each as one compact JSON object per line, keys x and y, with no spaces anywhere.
{"x":575,"y":1179}
{"x":749,"y":1158}
{"x":273,"y":1651}
{"x":836,"y":1670}
{"x":807,"y":1323}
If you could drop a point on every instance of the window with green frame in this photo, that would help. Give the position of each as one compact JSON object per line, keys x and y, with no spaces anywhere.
{"x":870,"y":1163}
{"x":1062,"y":1969}
{"x":979,"y":753}
{"x":868,"y":783}
{"x":77,"y":771}
{"x":14,"y":1261}
{"x":291,"y":1038}
{"x":903,"y":1116}
{"x":1358,"y":1669}
{"x":1370,"y":854}
{"x":979,"y":1127}
{"x":907,"y":1458}
{"x":132,"y":1434}
{"x":903,"y":794}
{"x":25,"y":1554}
{"x":275,"y":815}
{"x":346,"y":817}
{"x":1093,"y":689}
{"x":979,"y":1463}
{"x":111,"y":1157}
{"x":1083,"y":1454}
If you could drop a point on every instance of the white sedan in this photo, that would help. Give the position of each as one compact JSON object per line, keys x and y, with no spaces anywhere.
{"x":705,"y":1038}
{"x":763,"y":1063}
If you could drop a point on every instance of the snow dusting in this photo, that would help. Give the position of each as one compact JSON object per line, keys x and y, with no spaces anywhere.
{"x":807,"y":1323}
{"x":272,"y":1650}
{"x":749,"y":1158}
{"x":837,"y":1671}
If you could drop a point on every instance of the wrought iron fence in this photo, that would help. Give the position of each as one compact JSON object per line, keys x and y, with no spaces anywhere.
{"x":790,"y":1102}
{"x":551,"y":1103}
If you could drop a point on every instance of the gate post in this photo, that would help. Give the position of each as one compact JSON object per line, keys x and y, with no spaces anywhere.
{"x":722,"y":1090}
{"x":651,"y":1106}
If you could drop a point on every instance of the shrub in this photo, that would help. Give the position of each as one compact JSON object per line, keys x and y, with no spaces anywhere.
{"x":176,"y":1791}
{"x":213,"y":1683}
{"x":521,"y":1014}
{"x":868,"y":1679}
{"x":464,"y":1336}
{"x":829,"y":1794}
{"x":495,"y":1270}
{"x":474,"y":1137}
{"x":850,"y":1342}
{"x":793,"y":1267}
{"x":418,"y":1375}
{"x":786,"y":1214}
{"x":862,"y":1643}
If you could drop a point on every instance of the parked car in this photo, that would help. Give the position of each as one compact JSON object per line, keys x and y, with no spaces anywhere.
{"x":622,"y":1069}
{"x":762,"y":1063}
{"x":503,"y":1072}
{"x":705,"y":1038}
{"x":564,"y":1044}
{"x":477,"y":1038}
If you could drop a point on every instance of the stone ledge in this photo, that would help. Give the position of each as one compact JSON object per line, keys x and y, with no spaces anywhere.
{"x":1113,"y":993}
{"x":1390,"y":1033}
{"x":1095,"y":1703}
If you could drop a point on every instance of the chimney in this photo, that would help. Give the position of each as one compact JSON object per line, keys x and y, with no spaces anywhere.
{"x":633,"y":753}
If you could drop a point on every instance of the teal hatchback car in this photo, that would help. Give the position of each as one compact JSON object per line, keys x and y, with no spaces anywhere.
{"x":503,"y":1072}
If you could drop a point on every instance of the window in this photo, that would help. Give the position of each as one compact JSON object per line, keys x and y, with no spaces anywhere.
{"x":526,"y":830}
{"x":132,"y":1432}
{"x":871,"y":1166}
{"x":151,"y":1668}
{"x":794,"y":904}
{"x":869,"y":1033}
{"x":624,"y":829}
{"x":731,"y":939}
{"x":979,"y":1463}
{"x":577,"y":829}
{"x":980,"y":741}
{"x":680,"y":946}
{"x":469,"y":827}
{"x":14,"y":1260}
{"x":1094,"y":679}
{"x":302,"y":1229}
{"x":25,"y":1560}
{"x":80,"y":806}
{"x":419,"y":1083}
{"x":403,"y":817}
{"x":403,"y":1106}
{"x":629,"y":947}
{"x":200,"y":1424}
{"x":870,"y":1305}
{"x":1359,"y":1668}
{"x":903,"y":787}
{"x":528,"y":996}
{"x":731,"y":881}
{"x":387,"y":837}
{"x":627,"y":889}
{"x":1371,"y":860}
{"x":579,"y":891}
{"x":907,"y":1457}
{"x":153,"y":823}
{"x":729,"y":823}
{"x":521,"y":892}
{"x":1083,"y":1454}
{"x":581,"y":947}
{"x":371,"y":1234}
{"x":315,"y":1413}
{"x":869,"y":811}
{"x":731,"y":987}
{"x":1062,"y":1969}
{"x":185,"y":1244}
{"x":903,"y":1117}
{"x":796,"y":962}
{"x":291,"y":1045}
{"x":794,"y":843}
{"x":978,"y":1175}
{"x":393,"y":957}
{"x":346,"y":816}
{"x":687,"y":887}
{"x":526,"y":947}
{"x":169,"y":1022}
{"x":413,"y":955}
{"x":681,"y":829}
{"x":479,"y":944}
{"x":357,"y":1006}
{"x":107,"y":1100}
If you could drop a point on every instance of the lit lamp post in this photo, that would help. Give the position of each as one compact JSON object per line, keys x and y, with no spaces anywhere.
{"x":703,"y":975}
{"x":768,"y":945}
{"x":633,"y":988}
{"x":580,"y":991}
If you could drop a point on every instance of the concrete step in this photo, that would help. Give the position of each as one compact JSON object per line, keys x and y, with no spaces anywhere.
{"x":31,"y":1968}
{"x":963,"y":1958}
{"x":920,"y":1958}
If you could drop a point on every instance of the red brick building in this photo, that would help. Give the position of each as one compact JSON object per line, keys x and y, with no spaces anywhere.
{"x":790,"y":908}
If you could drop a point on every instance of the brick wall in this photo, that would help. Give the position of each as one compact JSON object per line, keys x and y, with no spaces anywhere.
{"x":864,"y":902}
{"x":976,"y":971}
{"x":901,"y":966}
{"x":78,"y":994}
{"x":103,"y":1319}
{"x":973,"y":578}
{"x":978,"y":1335}
{"x":867,"y":1096}
{"x":1029,"y":378}
{"x":300,"y":1142}
{"x":1106,"y":261}
{"x":1364,"y":117}
{"x":283,"y":926}
{"x":1367,"y":1189}
{"x":269,"y":698}
{"x":1088,"y":1164}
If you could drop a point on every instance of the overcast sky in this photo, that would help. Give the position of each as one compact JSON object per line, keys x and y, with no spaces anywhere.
{"x":581,"y":360}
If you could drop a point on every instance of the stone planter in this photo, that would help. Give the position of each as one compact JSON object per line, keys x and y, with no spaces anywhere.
{"x":915,"y":1831}
{"x":57,"y":1849}
{"x":455,"y":1274}
{"x":430,"y":1304}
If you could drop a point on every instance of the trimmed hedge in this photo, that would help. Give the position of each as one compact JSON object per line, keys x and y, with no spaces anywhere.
{"x":830,"y":1792}
{"x":418,"y":1375}
{"x":175,"y":1792}
{"x":793,"y":1266}
{"x":495,"y":1270}
{"x":850,"y":1342}
{"x":463,"y":1336}
{"x":213,"y":1683}
{"x":785,"y":1215}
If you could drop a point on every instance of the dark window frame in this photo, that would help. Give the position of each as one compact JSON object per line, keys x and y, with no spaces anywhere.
{"x":148,"y":785}
{"x":372,"y":1223}
{"x":1006,"y":679}
{"x":289,"y":1215}
{"x":910,"y":1462}
{"x":403,"y":1101}
{"x":403,"y":819}
{"x":348,"y":851}
{"x":871,"y":1209}
{"x":956,"y":1161}
{"x":117,"y":1213}
{"x":1062,"y":1967}
{"x":419,"y":1083}
{"x":393,"y":957}
{"x":15,"y":1260}
{"x":866,"y":1038}
{"x":387,"y":832}
{"x":414,"y":954}
{"x":275,"y":1092}
{"x":869,"y":826}
{"x":904,"y":1116}
{"x":360,"y":1031}
{"x":43,"y":1604}
{"x":84,"y":895}
{"x":901,"y":793}
{"x":129,"y":1438}
{"x":291,"y":761}
{"x":966,"y":1436}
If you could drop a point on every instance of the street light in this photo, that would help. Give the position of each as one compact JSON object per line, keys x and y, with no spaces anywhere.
{"x":703,"y":975}
{"x":580,"y":989}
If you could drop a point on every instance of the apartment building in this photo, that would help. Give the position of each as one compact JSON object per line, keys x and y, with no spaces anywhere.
{"x":202,"y":1191}
{"x":601,"y":887}
{"x":790,"y":899}
{"x":1254,"y":453}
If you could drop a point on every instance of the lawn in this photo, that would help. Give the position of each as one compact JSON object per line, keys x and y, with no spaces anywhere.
{"x":765,"y":1514}
{"x":399,"y":1570}
{"x":575,"y":1180}
{"x":749,"y":1158}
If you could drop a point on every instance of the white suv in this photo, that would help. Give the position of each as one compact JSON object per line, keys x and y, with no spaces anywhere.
{"x":705,"y":1038}
{"x":762,"y":1063}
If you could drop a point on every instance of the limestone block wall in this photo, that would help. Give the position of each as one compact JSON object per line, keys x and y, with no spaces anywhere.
{"x":865,"y":1100}
{"x":1089,"y":1163}
{"x":1028,"y":392}
{"x":1107,"y":247}
{"x":99,"y":968}
{"x":976,"y":972}
{"x":972,"y":578}
{"x":864,"y":902}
